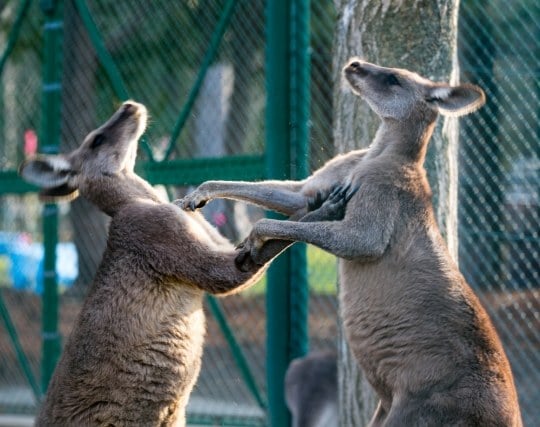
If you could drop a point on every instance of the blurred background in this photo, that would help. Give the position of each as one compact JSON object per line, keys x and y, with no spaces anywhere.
{"x":200,"y":68}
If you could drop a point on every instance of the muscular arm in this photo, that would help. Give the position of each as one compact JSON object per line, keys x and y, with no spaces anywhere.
{"x":324,"y":207}
{"x":287,"y":197}
{"x":364,"y":233}
{"x":280,"y":196}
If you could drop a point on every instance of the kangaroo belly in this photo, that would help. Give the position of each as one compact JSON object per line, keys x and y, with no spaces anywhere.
{"x":129,"y":368}
{"x":425,"y":338}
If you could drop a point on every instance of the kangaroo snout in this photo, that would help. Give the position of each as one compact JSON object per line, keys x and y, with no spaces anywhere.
{"x":356,"y":66}
{"x":130,"y":112}
{"x":133,"y":108}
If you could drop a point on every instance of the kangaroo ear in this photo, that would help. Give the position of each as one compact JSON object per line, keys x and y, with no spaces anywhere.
{"x":51,"y":173}
{"x":46,"y":171}
{"x":456,"y":100}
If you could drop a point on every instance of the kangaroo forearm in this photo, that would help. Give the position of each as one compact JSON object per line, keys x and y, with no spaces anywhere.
{"x":225,"y":286}
{"x":272,"y":248}
{"x":284,"y":197}
{"x":217,"y":274}
{"x":335,"y":237}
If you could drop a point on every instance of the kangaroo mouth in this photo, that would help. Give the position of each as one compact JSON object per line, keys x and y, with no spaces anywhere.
{"x":354,"y":72}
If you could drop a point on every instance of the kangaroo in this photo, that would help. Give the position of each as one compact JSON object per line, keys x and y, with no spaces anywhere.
{"x":311,"y":390}
{"x":135,"y":351}
{"x":416,"y":328}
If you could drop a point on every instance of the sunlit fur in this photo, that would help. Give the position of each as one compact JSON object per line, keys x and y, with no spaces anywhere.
{"x":135,"y":350}
{"x":416,"y":328}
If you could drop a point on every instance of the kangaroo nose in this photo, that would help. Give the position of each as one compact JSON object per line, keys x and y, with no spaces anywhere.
{"x":130,"y":107}
{"x":357,"y":68}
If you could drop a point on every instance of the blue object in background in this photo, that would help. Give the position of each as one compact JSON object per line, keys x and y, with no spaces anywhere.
{"x":26,"y":259}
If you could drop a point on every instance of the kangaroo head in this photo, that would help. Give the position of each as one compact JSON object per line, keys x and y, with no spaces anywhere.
{"x":109,"y":150}
{"x":398,"y":94}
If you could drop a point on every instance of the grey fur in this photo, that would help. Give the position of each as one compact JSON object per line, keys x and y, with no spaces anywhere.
{"x":135,"y":350}
{"x":311,"y":390}
{"x":416,"y":328}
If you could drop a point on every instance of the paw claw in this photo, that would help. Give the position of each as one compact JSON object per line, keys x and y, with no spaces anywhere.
{"x":243,"y":261}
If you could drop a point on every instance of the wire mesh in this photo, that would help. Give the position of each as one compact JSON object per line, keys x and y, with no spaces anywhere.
{"x":322,"y":273}
{"x":499,"y":198}
{"x":159,"y":58}
{"x":20,"y":232}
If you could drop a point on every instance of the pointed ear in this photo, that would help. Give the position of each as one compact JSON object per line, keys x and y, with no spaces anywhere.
{"x":456,"y":100}
{"x":51,"y":173}
{"x":46,"y":171}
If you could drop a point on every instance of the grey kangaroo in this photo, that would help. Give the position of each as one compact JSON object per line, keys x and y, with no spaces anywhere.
{"x":311,"y":390}
{"x":419,"y":333}
{"x":135,"y":351}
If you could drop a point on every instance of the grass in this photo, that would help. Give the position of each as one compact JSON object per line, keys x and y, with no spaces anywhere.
{"x":4,"y":271}
{"x":321,"y":270}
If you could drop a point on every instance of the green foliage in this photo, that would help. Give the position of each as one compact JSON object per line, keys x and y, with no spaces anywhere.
{"x":4,"y":271}
{"x":322,"y":274}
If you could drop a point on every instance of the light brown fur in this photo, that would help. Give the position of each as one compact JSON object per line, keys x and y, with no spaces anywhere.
{"x":416,"y":328}
{"x":135,"y":350}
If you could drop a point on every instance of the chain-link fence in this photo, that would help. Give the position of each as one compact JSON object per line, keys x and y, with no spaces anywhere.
{"x":199,"y":67}
{"x":499,"y":198}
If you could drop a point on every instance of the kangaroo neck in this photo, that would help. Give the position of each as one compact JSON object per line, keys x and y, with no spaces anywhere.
{"x":112,"y":193}
{"x":407,"y":139}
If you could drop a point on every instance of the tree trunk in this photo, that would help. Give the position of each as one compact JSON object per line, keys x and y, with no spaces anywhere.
{"x":419,"y":35}
{"x":210,"y":111}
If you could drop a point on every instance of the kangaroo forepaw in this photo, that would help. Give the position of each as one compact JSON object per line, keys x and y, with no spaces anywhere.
{"x":248,"y":254}
{"x":192,"y":201}
{"x":316,"y":201}
{"x":333,"y":205}
{"x":243,"y":261}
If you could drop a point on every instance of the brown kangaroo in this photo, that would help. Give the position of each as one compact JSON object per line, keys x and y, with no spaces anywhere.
{"x":135,"y":350}
{"x":419,"y":333}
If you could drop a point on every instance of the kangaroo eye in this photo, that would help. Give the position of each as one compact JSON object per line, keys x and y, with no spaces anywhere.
{"x":392,"y":80}
{"x":98,"y":140}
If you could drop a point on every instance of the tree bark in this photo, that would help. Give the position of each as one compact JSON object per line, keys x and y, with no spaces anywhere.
{"x":419,"y":35}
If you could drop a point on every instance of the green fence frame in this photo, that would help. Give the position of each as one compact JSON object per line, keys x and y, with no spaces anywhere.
{"x":50,"y":135}
{"x":285,"y":157}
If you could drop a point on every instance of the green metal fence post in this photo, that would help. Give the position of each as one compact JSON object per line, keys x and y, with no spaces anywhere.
{"x":300,"y":102}
{"x":49,"y":141}
{"x":277,"y":158}
{"x":15,"y":32}
{"x":287,"y":114}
